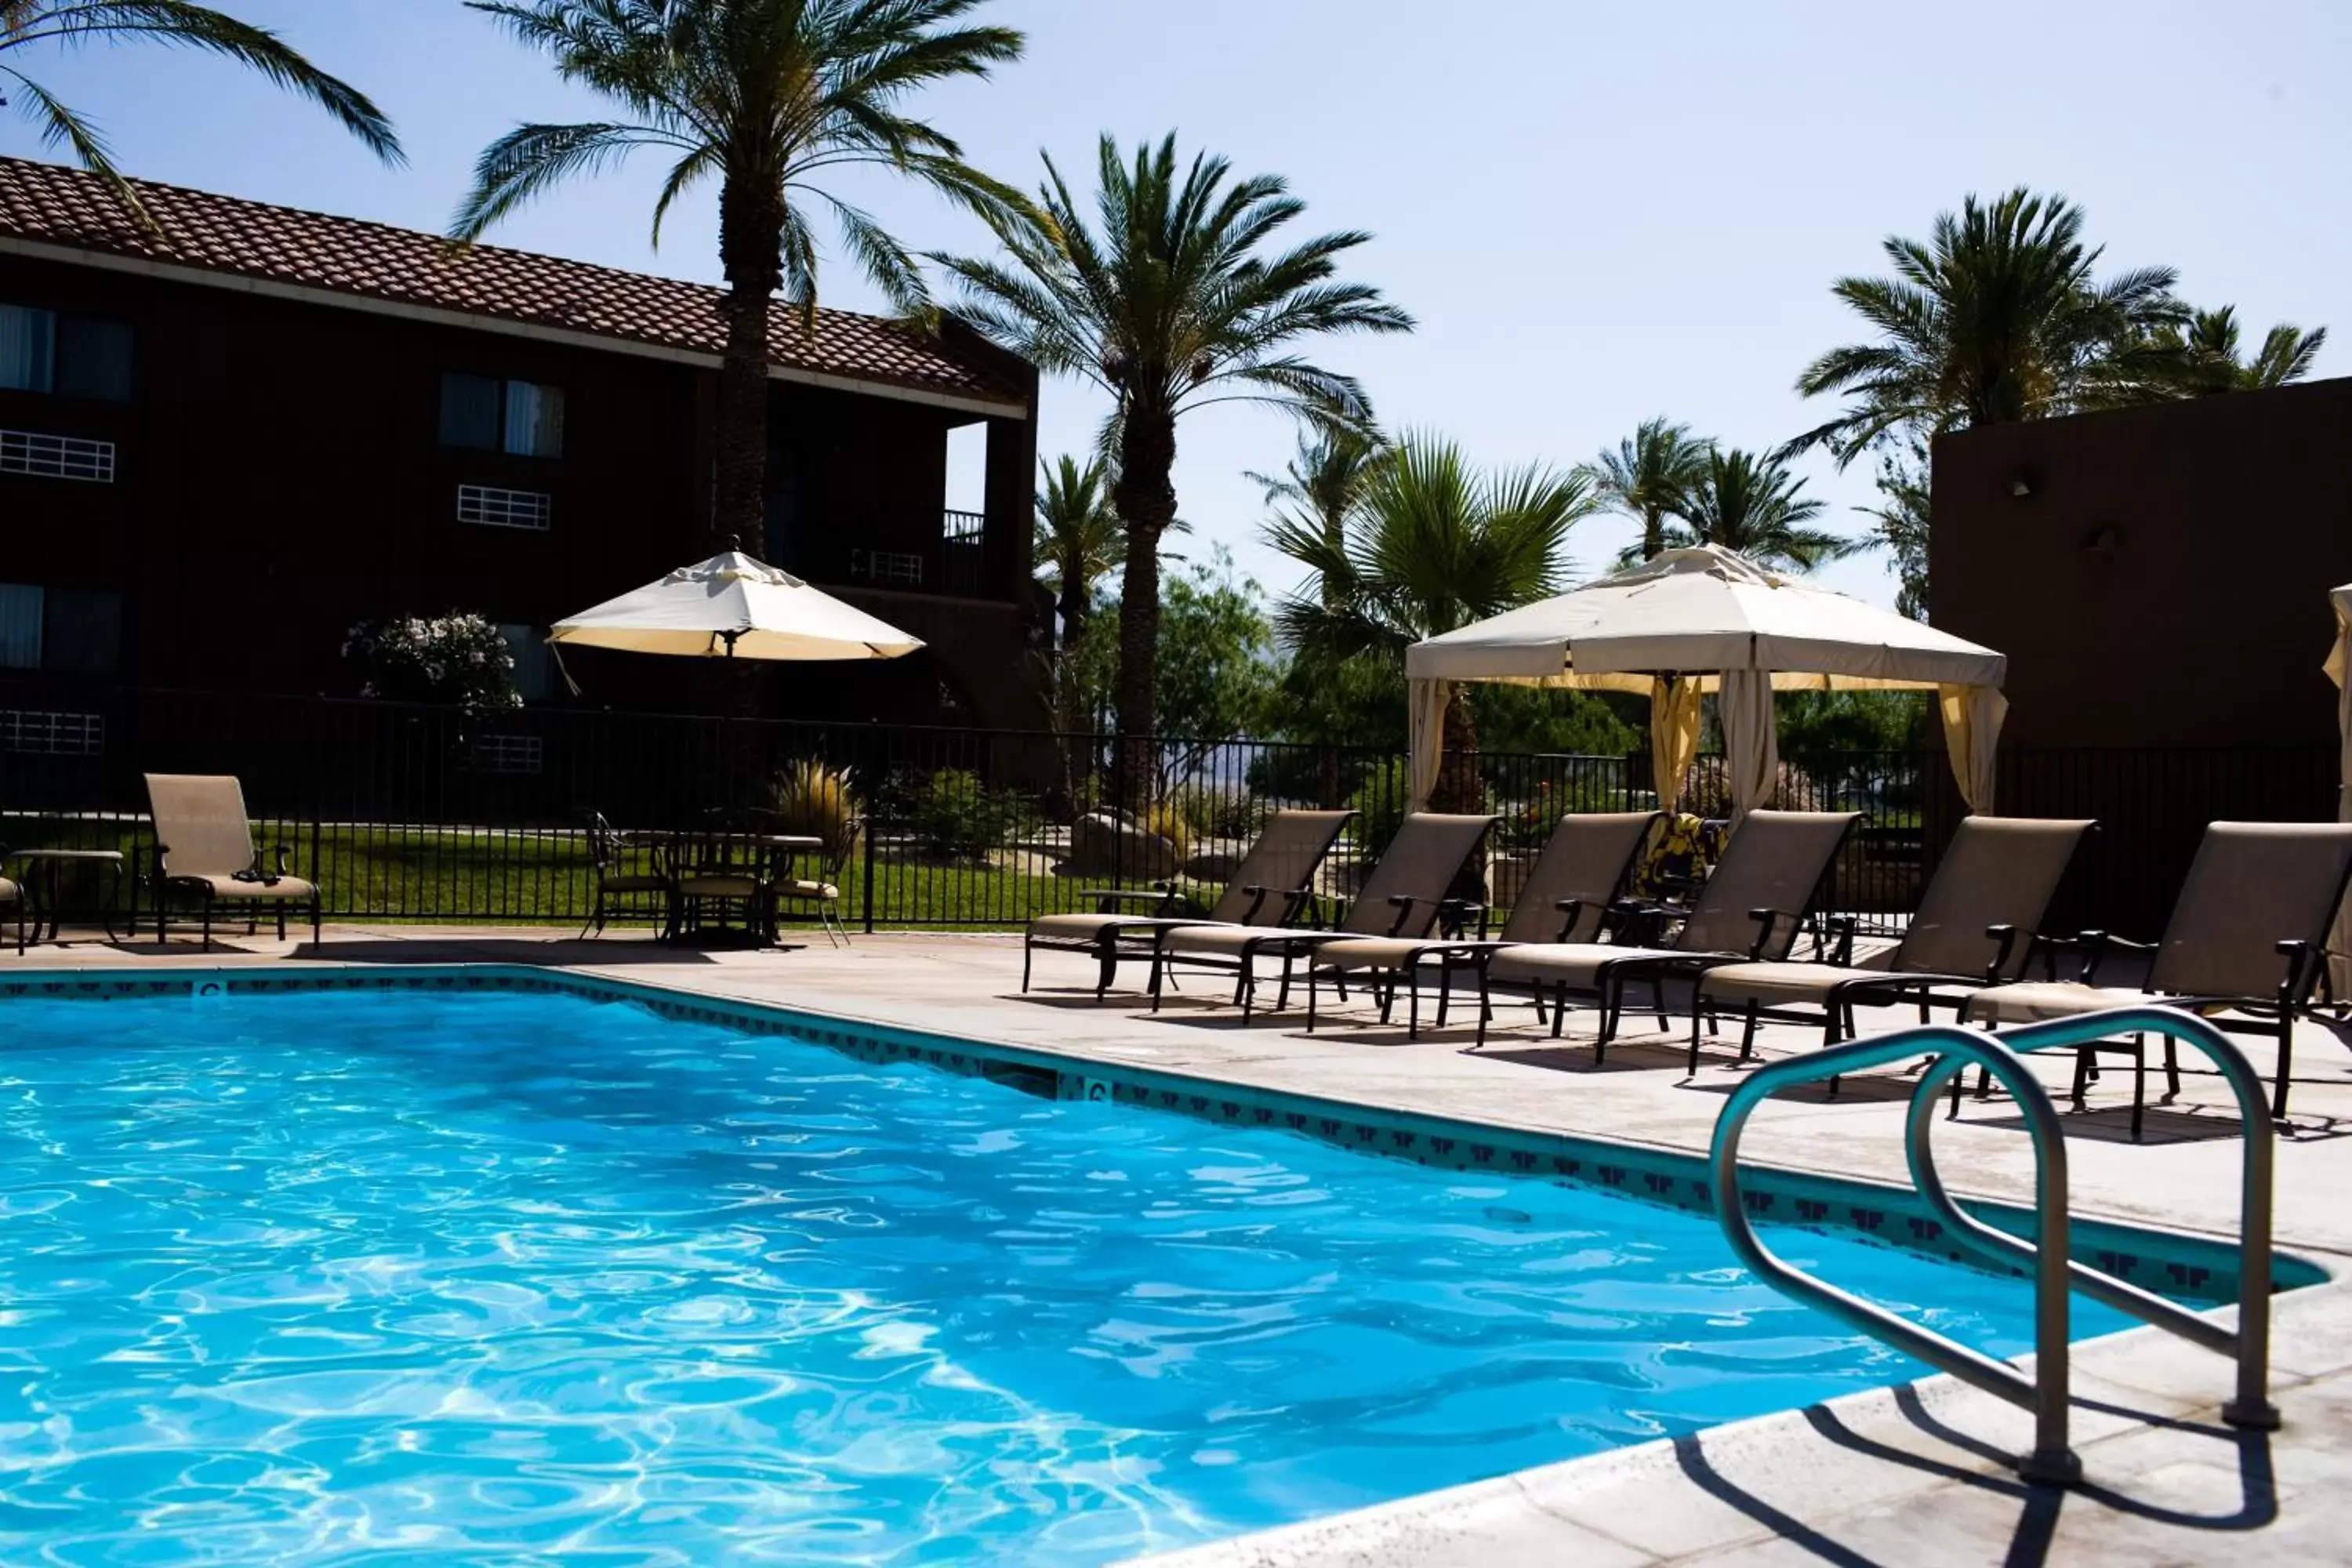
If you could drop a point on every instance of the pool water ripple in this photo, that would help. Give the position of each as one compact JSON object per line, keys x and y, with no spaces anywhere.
{"x":322,"y":1279}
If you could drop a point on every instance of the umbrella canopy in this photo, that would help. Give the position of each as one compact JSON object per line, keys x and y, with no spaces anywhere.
{"x":1704,"y":619}
{"x":733,"y":606}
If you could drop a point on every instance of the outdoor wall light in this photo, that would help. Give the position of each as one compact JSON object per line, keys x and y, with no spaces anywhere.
{"x":2020,"y":486}
{"x":2101,"y":540}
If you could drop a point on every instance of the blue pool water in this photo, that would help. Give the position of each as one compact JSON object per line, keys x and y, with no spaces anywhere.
{"x":444,"y":1279}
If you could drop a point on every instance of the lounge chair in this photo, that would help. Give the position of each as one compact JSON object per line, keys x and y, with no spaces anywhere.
{"x":1978,"y":924}
{"x":1751,"y":908}
{"x":1568,"y":895}
{"x":203,"y":845}
{"x":1271,"y":886}
{"x":2247,"y":941}
{"x":1404,"y":897}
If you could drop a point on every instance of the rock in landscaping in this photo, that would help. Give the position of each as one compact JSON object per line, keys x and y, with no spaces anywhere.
{"x":1102,"y":846}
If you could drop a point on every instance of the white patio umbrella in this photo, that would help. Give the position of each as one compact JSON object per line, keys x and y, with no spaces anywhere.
{"x":1704,"y":619}
{"x":732,"y":606}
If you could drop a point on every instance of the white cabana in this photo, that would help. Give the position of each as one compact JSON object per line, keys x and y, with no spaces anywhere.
{"x":1704,"y":619}
{"x":732,"y":606}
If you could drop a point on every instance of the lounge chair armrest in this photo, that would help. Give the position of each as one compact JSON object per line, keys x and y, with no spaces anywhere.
{"x":1765,"y":921}
{"x":1570,"y":912}
{"x":2300,"y":969}
{"x":2004,"y":940}
{"x":284,"y":855}
{"x":1454,"y":914}
{"x":1842,"y":926}
{"x":1158,"y":892}
{"x":1403,"y":903}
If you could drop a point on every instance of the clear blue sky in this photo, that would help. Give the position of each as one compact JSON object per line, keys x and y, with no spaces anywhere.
{"x":1598,"y":212}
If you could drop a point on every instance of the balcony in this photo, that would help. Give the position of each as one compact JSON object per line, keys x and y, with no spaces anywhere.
{"x":953,"y":568}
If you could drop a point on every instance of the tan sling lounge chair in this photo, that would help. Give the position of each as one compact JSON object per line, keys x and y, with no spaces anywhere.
{"x":1567,"y":897}
{"x":1403,"y":897}
{"x":2247,"y":942}
{"x":1274,"y":882}
{"x":1751,"y":908}
{"x":203,"y":845}
{"x":1978,"y":923}
{"x":13,"y":904}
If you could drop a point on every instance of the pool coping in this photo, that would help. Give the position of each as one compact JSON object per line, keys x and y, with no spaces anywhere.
{"x":1644,"y":1504}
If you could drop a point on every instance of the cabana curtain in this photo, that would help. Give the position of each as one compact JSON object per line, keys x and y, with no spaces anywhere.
{"x":1704,"y":619}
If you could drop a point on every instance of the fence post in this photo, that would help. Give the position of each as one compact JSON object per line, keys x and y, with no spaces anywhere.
{"x":318,"y":806}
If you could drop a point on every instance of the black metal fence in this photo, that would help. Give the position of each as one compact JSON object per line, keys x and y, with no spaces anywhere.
{"x":405,"y":813}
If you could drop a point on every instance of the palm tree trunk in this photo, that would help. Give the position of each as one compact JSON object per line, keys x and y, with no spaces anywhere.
{"x":1654,"y":533}
{"x":751,"y":250}
{"x":1457,"y":776}
{"x":1146,"y":500}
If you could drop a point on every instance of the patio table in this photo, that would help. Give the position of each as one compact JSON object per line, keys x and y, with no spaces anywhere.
{"x":44,"y":872}
{"x":714,"y":852}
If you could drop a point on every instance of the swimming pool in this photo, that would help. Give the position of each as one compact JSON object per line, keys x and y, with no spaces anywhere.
{"x":442,"y":1278}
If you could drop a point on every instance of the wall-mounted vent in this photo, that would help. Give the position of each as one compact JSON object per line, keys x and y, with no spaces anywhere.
{"x":495,"y":508}
{"x":57,"y":457}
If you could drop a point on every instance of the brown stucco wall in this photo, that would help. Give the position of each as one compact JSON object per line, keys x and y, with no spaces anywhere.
{"x":2165,"y":582}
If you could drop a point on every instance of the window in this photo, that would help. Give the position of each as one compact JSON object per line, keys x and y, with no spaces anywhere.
{"x":486,"y":415}
{"x":20,"y":626}
{"x":75,"y":630}
{"x":534,"y":665}
{"x":81,"y":631}
{"x":75,"y":356}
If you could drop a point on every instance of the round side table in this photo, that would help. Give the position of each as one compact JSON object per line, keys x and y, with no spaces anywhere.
{"x":45,"y":874}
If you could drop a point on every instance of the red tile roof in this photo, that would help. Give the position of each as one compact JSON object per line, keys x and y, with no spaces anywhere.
{"x":59,"y":206}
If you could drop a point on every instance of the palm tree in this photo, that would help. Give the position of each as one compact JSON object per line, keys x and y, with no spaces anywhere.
{"x":2210,"y":345}
{"x":1995,"y":319}
{"x":1648,"y":475}
{"x":1750,"y":505}
{"x":1168,"y":299}
{"x":1327,"y":476}
{"x":1901,"y":524}
{"x":768,"y":96}
{"x":25,"y":23}
{"x":1432,"y":545}
{"x":1078,"y":541}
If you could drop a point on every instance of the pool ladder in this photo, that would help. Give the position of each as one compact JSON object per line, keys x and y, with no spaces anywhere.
{"x":2045,"y":1253}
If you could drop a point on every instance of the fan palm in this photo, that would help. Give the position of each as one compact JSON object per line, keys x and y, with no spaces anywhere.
{"x":1078,"y":540}
{"x":1995,"y":319}
{"x":1753,"y":506}
{"x":768,"y":96}
{"x":1431,"y":546}
{"x":25,"y":23}
{"x":1648,"y":475}
{"x":1170,"y":298}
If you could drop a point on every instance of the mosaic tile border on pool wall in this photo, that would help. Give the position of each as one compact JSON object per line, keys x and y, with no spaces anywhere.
{"x":2184,"y":1266}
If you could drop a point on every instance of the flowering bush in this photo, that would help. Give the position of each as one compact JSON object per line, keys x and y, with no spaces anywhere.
{"x":457,"y":658}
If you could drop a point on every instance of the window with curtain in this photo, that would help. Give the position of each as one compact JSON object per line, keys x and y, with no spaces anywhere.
{"x":534,"y":419}
{"x":81,"y":630}
{"x":20,"y":626}
{"x":534,"y":665}
{"x":484,"y":414}
{"x":28,"y":346}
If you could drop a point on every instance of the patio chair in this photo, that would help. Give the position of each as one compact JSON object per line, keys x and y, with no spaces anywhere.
{"x":1273,"y":885}
{"x":1751,"y":908}
{"x":1405,"y":897}
{"x":1978,"y":924}
{"x":821,"y":893}
{"x":203,"y":845}
{"x":1568,"y":895}
{"x":13,"y":901}
{"x":2247,"y":941}
{"x":628,"y":872}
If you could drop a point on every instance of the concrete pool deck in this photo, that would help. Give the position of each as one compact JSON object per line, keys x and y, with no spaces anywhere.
{"x":1914,"y":1474}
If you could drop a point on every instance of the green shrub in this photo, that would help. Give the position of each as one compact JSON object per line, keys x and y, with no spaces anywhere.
{"x":1378,"y":804}
{"x":954,"y":816}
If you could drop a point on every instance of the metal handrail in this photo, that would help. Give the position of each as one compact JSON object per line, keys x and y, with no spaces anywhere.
{"x":2249,"y":1343}
{"x":1955,"y":1049}
{"x":2045,"y":1394}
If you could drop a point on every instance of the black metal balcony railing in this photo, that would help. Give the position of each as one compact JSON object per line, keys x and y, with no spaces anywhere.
{"x":955,"y":566}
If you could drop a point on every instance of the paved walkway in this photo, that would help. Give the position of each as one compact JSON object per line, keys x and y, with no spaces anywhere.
{"x":1915,"y":1475}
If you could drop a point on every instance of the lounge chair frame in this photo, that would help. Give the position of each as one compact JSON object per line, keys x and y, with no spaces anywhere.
{"x":209,"y":897}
